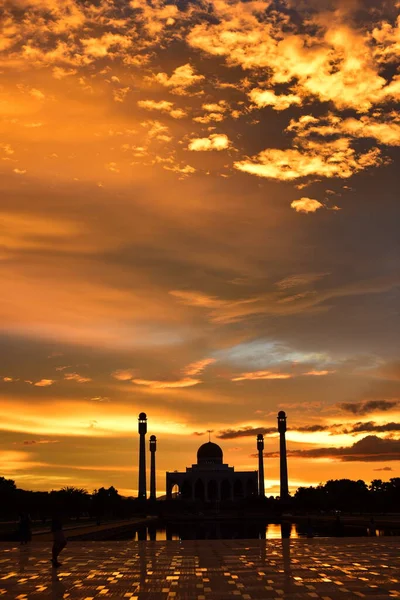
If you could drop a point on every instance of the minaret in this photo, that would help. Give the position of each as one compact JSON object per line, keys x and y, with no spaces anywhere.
{"x":153,"y":448}
{"x":282,"y":453}
{"x":260,"y":448}
{"x":142,"y":426}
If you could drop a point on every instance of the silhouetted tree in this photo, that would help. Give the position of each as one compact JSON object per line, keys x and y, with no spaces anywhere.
{"x":346,"y":494}
{"x":106,"y":502}
{"x":7,"y":485}
{"x":72,"y":501}
{"x":311,"y":498}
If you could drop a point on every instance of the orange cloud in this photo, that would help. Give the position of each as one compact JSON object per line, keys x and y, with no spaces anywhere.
{"x":316,"y":373}
{"x":256,"y":375}
{"x":100,"y":47}
{"x":76,"y":377}
{"x":198,"y":367}
{"x":182,"y":78}
{"x":163,"y":106}
{"x":262,"y":98}
{"x":159,"y":385}
{"x":383,"y":127}
{"x":44,"y":383}
{"x":326,"y":65}
{"x":215,"y":141}
{"x":123,"y":374}
{"x":335,"y":158}
{"x":306,"y":205}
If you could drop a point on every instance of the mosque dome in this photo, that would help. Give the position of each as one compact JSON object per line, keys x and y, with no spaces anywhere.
{"x":209,"y":454}
{"x":281,"y":414}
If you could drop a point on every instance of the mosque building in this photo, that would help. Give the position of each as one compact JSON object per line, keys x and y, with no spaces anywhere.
{"x":211,"y":480}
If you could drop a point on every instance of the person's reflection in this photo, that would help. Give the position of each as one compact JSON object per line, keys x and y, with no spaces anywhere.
{"x":285,"y":532}
{"x":168,"y":533}
{"x":262,"y":534}
{"x":152,"y":549}
{"x":58,"y":589}
{"x":152,"y":529}
{"x":23,"y":558}
{"x":286,"y":558}
{"x":142,"y":565}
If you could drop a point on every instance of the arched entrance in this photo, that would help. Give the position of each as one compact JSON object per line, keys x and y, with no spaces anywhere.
{"x":175,"y":491}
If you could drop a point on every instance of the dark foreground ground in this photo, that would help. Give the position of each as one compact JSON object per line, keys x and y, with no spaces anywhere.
{"x":326,"y":569}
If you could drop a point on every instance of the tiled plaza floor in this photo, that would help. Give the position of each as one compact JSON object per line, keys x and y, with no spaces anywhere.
{"x":326,"y":569}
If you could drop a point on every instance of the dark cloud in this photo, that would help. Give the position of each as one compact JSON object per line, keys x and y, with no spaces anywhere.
{"x":384,"y":469}
{"x":313,"y":428}
{"x":334,"y":429}
{"x":229,"y":434}
{"x":34,"y":442}
{"x":364,"y":408}
{"x":372,"y":426}
{"x":370,"y":449}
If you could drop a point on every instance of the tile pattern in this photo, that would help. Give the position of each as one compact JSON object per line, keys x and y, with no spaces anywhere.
{"x":324,"y":569}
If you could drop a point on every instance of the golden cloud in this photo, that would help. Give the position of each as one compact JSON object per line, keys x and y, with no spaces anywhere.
{"x":316,"y":373}
{"x":211,"y":117}
{"x":198,"y":367}
{"x":306,"y":205}
{"x":163,"y":106}
{"x":257,"y":375}
{"x":182,"y":78}
{"x":123,"y":374}
{"x":337,"y":64}
{"x":215,"y":141}
{"x":385,"y":128}
{"x":76,"y":377}
{"x":44,"y":383}
{"x":264,"y":98}
{"x":160,"y":385}
{"x":323,"y":159}
{"x":100,"y":47}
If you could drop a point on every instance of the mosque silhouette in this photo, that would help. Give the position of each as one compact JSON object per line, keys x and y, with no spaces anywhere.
{"x":210,"y":479}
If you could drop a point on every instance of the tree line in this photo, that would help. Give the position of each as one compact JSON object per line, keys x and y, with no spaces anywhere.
{"x":344,"y":495}
{"x":347,"y":495}
{"x":71,"y":502}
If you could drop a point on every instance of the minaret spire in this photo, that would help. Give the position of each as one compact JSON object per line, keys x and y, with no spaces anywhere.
{"x":142,"y":428}
{"x":283,"y":457}
{"x":260,"y":448}
{"x":153,"y":448}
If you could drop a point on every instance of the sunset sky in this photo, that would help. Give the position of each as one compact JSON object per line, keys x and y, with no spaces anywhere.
{"x":200,"y":220}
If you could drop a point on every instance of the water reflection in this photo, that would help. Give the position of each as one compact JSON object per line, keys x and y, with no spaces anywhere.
{"x":209,"y":529}
{"x":275,"y":531}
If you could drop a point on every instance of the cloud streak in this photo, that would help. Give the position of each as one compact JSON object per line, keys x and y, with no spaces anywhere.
{"x":370,"y":449}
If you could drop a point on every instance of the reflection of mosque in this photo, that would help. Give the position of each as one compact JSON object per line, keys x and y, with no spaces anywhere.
{"x":212,"y":480}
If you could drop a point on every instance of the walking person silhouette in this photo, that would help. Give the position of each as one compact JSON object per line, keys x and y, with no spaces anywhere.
{"x":24,"y":527}
{"x":59,"y":540}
